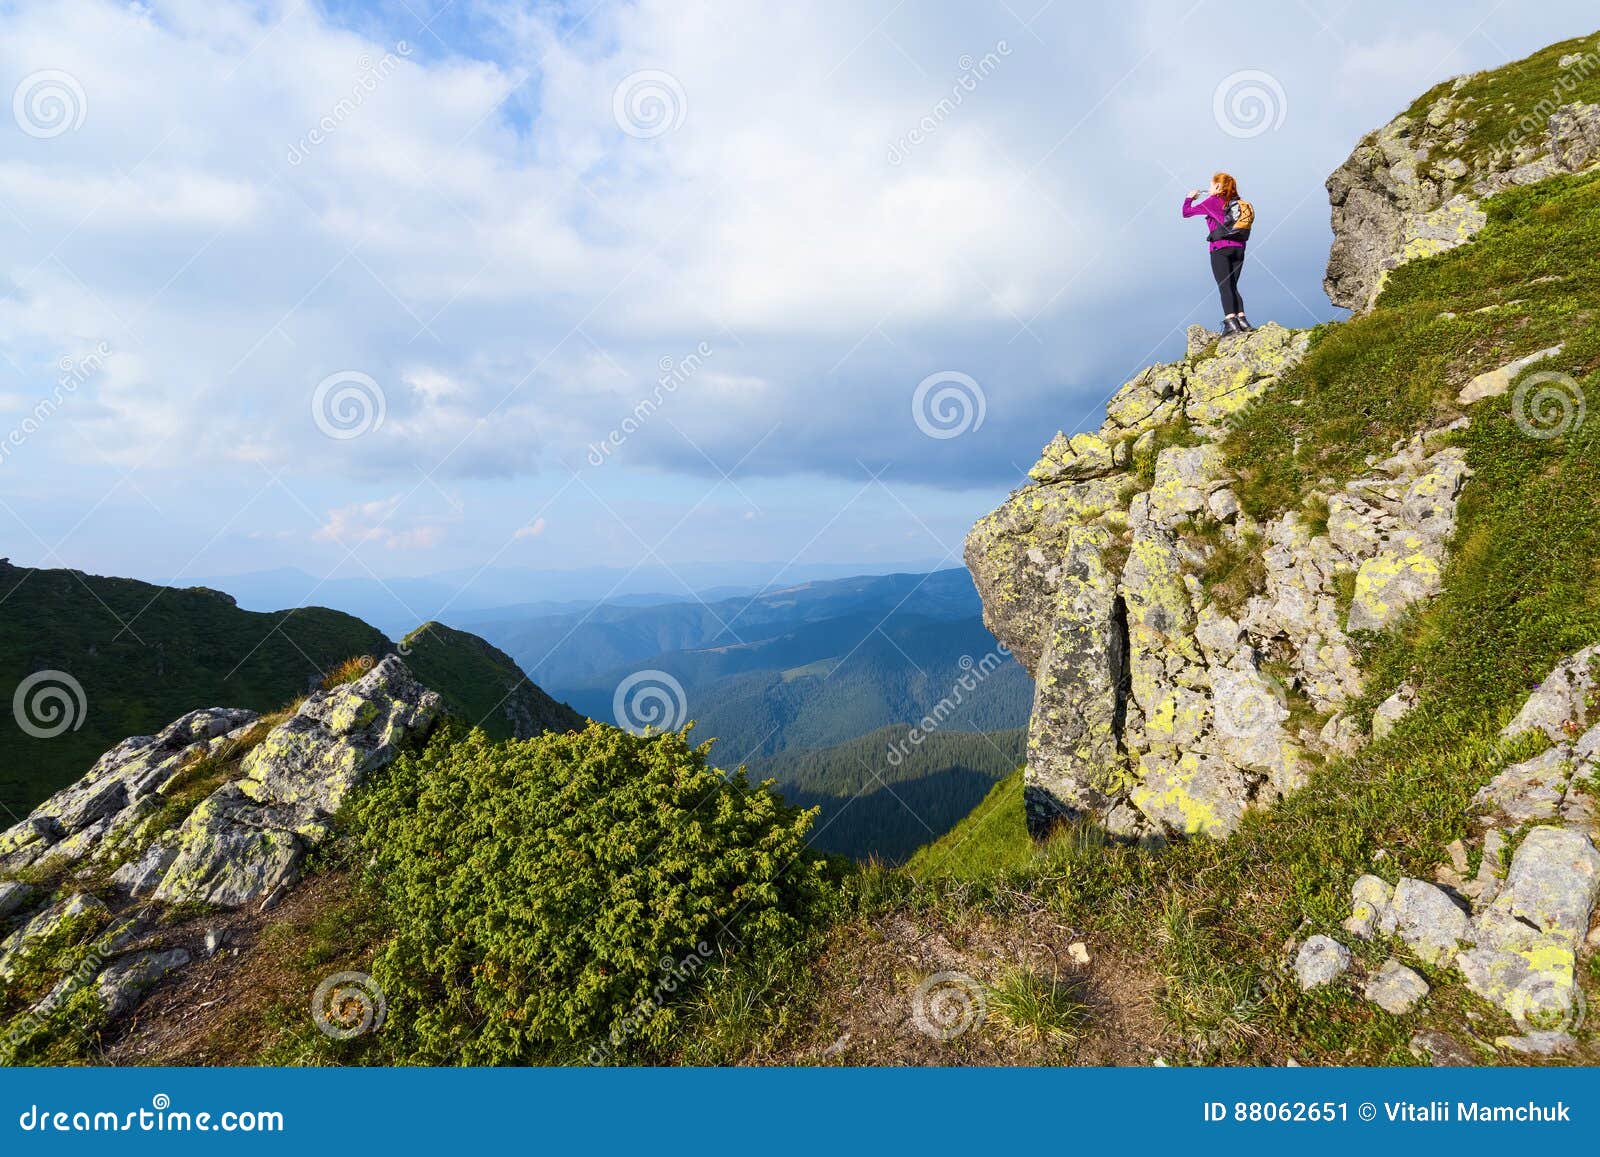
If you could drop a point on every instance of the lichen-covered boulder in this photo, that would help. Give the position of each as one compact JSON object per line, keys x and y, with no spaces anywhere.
{"x":71,"y":823}
{"x":322,"y":751}
{"x":124,"y":982}
{"x":1426,"y":918}
{"x":1395,"y":988}
{"x":1320,"y":961}
{"x":1402,"y":194}
{"x":68,"y":921}
{"x":1370,"y":897}
{"x":249,"y":839}
{"x":1218,"y":387}
{"x":1560,"y":706}
{"x":1531,"y":791}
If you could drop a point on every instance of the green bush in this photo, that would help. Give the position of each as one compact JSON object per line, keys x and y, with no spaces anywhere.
{"x":554,"y":899}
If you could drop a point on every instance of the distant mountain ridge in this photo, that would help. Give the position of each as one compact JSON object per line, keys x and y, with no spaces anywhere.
{"x":87,"y":661}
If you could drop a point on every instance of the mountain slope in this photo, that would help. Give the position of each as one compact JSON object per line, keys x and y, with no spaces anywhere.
{"x":575,"y":649}
{"x":480,"y":684}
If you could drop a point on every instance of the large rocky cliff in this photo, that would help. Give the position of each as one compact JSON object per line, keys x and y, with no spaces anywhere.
{"x":1191,"y":661}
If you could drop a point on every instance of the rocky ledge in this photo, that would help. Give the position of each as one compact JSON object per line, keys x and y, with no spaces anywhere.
{"x":1157,"y":709}
{"x":217,"y":811}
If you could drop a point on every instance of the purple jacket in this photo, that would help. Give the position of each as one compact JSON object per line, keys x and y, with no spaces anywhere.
{"x":1215,"y":210}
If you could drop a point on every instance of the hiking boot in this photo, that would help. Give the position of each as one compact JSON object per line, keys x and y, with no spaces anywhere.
{"x":1230,"y":325}
{"x":1242,"y":324}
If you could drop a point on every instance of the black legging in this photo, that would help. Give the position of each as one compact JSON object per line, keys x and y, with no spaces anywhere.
{"x":1226,"y":265}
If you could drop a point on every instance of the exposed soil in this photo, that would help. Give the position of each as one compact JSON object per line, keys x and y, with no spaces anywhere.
{"x":871,"y":972}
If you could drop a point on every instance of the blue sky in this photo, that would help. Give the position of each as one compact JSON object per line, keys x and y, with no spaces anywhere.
{"x":245,"y":229}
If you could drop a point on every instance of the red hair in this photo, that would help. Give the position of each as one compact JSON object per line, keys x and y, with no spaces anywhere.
{"x":1230,"y":187}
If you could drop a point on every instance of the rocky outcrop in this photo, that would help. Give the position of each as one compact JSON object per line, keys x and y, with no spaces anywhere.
{"x":106,"y":857}
{"x":1156,"y":708}
{"x":1519,"y":928}
{"x":1414,"y":187}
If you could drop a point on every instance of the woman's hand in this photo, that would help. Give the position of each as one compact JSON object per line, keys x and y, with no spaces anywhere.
{"x":1194,"y":194}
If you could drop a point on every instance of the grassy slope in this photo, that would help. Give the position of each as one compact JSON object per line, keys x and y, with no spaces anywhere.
{"x":478,"y":681}
{"x":1521,"y":592}
{"x":181,"y":649}
{"x":1506,"y":101}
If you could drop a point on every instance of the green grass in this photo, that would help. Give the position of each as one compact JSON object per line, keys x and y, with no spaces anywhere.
{"x":1513,"y":101}
{"x":1033,"y":1007}
{"x":479,"y":681}
{"x":991,"y":842}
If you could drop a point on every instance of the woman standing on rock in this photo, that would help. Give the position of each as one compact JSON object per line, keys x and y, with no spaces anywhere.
{"x":1230,"y":220}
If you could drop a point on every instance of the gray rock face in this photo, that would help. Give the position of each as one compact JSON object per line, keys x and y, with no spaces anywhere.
{"x":1321,"y":960}
{"x":1153,"y":709}
{"x":1426,"y":919}
{"x":13,"y":895}
{"x":1393,"y":202}
{"x":251,"y":836}
{"x":1559,"y":707}
{"x":1371,"y":896}
{"x":1395,"y":988}
{"x":81,"y":815}
{"x":1073,"y":730}
{"x":125,"y":981}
